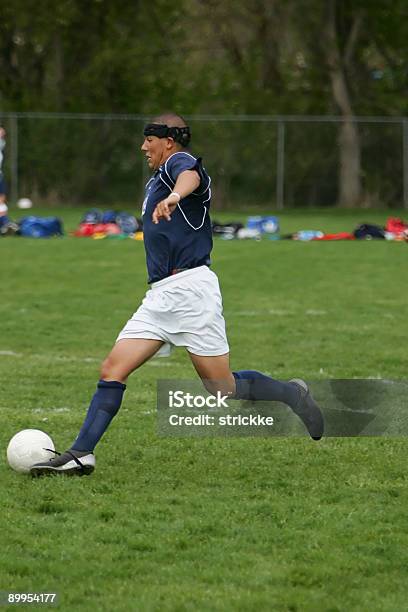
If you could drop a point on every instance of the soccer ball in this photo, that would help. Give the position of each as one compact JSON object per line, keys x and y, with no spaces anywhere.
{"x":27,"y":447}
{"x":24,"y":203}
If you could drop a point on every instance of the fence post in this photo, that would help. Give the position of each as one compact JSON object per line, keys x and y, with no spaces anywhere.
{"x":280,"y":165}
{"x":14,"y":157}
{"x":405,"y":160}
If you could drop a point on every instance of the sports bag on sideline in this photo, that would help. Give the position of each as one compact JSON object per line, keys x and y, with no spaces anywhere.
{"x":40,"y":227}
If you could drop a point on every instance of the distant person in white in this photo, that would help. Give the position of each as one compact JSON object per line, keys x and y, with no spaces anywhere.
{"x":2,"y":147}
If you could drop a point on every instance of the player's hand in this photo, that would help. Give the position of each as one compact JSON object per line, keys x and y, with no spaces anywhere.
{"x":164,"y":210}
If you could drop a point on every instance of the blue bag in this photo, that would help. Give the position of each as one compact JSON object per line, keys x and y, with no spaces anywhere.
{"x":109,"y":216}
{"x":94,"y":215}
{"x":265,"y":225}
{"x":127,"y":223}
{"x":40,"y":227}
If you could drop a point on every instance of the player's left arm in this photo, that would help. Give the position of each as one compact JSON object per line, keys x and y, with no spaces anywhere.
{"x":187,"y":182}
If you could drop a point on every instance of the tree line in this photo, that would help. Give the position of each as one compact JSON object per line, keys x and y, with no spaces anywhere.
{"x":273,"y":57}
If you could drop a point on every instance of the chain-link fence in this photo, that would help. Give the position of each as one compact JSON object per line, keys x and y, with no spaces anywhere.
{"x":280,"y":162}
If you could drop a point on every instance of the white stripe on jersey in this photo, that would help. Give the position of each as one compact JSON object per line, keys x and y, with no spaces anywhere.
{"x":192,"y":226}
{"x":193,"y":193}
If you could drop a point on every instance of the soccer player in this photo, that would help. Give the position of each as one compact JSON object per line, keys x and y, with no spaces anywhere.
{"x":183,"y":307}
{"x":2,"y":184}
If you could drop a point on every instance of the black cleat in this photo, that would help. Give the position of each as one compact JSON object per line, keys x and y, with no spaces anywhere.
{"x":308,"y":411}
{"x":72,"y":463}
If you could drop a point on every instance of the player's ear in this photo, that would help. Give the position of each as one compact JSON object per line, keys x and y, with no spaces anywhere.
{"x":170,"y":142}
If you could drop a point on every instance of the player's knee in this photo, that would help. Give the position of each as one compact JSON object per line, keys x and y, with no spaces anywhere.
{"x":106,"y":369}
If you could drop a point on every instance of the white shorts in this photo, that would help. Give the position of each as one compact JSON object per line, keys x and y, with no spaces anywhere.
{"x":182,"y":310}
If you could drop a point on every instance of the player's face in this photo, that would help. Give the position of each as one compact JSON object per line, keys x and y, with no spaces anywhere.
{"x":155,"y":150}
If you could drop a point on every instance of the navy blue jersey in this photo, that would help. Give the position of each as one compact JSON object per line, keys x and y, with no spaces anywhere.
{"x":186,"y":240}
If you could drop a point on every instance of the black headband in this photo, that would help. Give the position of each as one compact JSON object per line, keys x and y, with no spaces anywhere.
{"x":179,"y":134}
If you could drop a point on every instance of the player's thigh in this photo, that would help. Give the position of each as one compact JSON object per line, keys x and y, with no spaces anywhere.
{"x":126,"y":356}
{"x":215,"y":372}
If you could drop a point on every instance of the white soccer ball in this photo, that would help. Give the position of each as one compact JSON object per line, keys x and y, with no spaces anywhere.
{"x":27,"y":447}
{"x":24,"y":203}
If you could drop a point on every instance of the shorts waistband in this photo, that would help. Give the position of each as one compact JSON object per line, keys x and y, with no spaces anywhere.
{"x":174,"y":278}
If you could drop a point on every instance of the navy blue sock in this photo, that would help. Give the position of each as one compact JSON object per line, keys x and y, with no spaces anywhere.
{"x":252,"y":385}
{"x":103,"y":407}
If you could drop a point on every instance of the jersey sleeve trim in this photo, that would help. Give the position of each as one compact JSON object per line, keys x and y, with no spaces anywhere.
{"x":202,"y":190}
{"x":173,"y":155}
{"x":205,"y":180}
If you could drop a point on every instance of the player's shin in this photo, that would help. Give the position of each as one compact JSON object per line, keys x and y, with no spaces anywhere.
{"x":252,"y":385}
{"x":103,"y":407}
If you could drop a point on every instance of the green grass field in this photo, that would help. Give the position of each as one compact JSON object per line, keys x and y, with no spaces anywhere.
{"x":205,"y":524}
